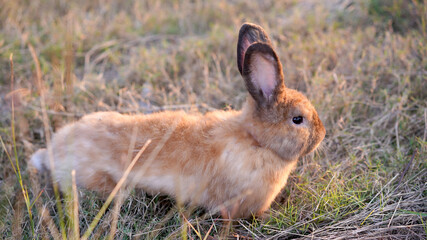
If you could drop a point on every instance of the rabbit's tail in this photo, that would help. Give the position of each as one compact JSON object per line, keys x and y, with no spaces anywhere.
{"x":38,"y":160}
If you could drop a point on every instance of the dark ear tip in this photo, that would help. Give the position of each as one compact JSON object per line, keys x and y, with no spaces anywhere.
{"x":249,"y":26}
{"x":252,"y":25}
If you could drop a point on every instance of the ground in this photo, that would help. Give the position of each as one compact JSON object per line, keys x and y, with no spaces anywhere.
{"x":363,"y":64}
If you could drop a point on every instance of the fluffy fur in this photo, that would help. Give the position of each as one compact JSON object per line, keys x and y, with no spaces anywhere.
{"x":230,"y":161}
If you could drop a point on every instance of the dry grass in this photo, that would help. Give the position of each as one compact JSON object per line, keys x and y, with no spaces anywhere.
{"x":362,"y":63}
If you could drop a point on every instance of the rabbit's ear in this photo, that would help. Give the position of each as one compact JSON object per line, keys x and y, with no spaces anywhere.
{"x":249,"y":33}
{"x":262,"y":72}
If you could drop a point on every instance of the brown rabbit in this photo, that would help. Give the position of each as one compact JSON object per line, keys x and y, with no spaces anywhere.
{"x":235,"y":162}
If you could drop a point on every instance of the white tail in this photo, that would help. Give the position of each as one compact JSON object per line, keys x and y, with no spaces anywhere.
{"x":38,"y":160}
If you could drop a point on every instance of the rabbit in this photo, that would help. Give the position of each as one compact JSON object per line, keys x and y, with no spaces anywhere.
{"x":230,"y":162}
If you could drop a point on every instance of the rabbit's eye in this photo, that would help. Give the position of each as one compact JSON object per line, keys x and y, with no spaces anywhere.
{"x":297,"y":120}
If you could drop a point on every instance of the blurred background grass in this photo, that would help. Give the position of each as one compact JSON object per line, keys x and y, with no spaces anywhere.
{"x":362,"y":63}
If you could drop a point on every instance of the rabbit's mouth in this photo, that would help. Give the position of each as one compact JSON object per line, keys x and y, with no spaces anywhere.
{"x":316,"y":138}
{"x":311,"y":149}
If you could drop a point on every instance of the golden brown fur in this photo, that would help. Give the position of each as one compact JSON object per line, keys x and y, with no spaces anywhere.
{"x":230,"y":161}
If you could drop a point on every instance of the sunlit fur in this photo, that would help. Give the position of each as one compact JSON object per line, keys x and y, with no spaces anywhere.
{"x":230,"y":161}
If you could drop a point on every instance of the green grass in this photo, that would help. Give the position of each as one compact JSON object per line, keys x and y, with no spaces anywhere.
{"x":362,"y":63}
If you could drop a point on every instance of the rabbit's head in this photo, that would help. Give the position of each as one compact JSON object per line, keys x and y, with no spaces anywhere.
{"x":280,"y":119}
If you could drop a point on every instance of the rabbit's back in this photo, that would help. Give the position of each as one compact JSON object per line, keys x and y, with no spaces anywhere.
{"x":98,"y":145}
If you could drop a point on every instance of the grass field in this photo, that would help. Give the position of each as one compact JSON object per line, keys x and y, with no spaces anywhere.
{"x":362,"y":63}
